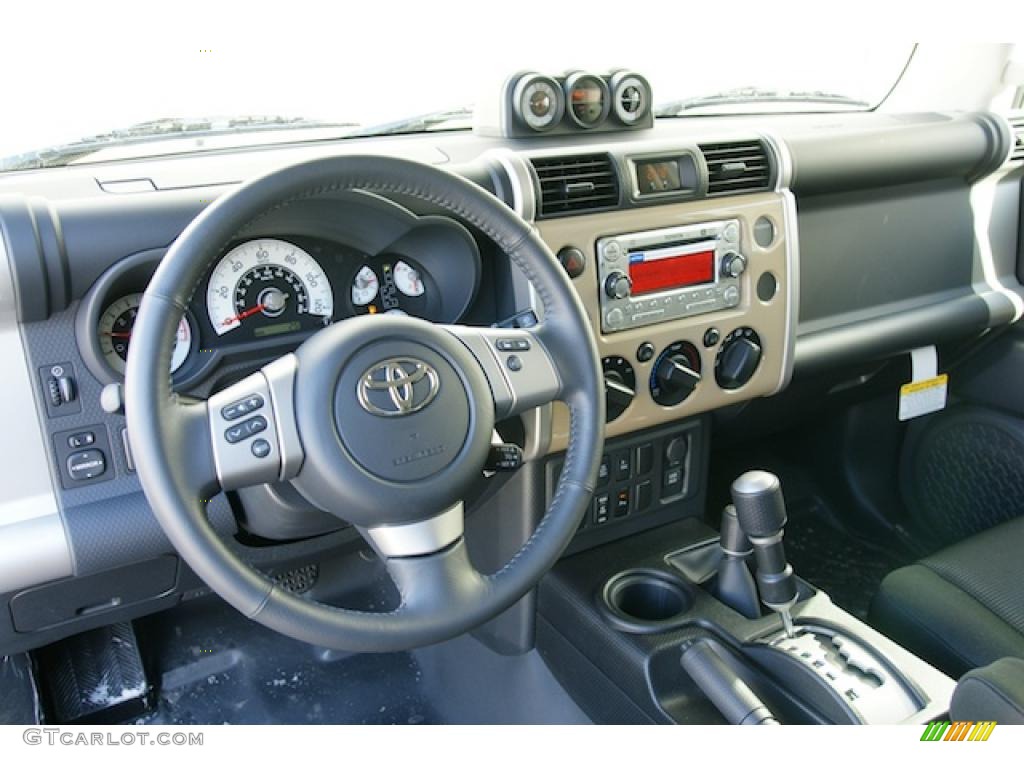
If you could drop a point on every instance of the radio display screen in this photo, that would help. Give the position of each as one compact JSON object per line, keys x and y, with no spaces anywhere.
{"x":668,"y":268}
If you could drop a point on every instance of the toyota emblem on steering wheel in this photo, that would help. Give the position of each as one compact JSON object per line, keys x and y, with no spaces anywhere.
{"x":398,"y":386}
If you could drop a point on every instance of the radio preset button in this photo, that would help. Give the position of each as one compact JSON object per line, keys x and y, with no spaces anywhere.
{"x":731,"y":296}
{"x":731,"y":232}
{"x":614,"y":317}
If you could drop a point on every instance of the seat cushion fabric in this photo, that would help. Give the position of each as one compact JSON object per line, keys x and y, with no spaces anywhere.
{"x":962,"y":607}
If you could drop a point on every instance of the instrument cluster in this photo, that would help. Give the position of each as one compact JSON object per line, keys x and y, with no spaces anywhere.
{"x":275,"y":291}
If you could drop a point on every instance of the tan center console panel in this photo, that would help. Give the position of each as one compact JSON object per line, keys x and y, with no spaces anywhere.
{"x":766,"y":304}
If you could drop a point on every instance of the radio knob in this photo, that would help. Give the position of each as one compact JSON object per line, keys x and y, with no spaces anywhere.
{"x":617,"y":285}
{"x":733,"y":264}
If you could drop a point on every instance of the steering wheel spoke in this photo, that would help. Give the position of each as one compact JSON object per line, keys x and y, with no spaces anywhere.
{"x":253,"y":430}
{"x":424,"y":537}
{"x":517,"y":365}
{"x":428,"y":562}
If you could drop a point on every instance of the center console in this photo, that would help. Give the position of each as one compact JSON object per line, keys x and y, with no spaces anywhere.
{"x":641,"y":631}
{"x":690,"y":282}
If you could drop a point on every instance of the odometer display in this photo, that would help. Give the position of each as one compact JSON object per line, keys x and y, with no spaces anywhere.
{"x":267,"y":285}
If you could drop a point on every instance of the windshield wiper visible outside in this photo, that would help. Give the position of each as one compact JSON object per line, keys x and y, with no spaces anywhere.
{"x":441,"y":120}
{"x":158,"y":130}
{"x":754,"y":96}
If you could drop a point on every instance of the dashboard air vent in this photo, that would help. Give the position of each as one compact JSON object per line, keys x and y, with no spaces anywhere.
{"x":1017,"y":151}
{"x":577,"y":183}
{"x":737,"y":167}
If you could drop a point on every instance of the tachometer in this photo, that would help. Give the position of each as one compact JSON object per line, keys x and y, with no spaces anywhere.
{"x":270,"y":286}
{"x":115,"y":330}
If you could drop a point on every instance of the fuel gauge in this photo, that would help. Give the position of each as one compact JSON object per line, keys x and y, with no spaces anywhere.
{"x":364,"y":287}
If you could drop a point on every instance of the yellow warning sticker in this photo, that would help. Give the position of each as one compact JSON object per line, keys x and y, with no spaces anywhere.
{"x":926,"y":396}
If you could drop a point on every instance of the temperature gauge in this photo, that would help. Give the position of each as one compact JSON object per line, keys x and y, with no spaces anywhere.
{"x":408,"y":280}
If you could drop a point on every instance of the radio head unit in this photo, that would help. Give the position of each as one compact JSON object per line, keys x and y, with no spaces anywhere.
{"x":667,"y":274}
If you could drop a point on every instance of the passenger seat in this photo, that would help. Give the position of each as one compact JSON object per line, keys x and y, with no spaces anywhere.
{"x":962,"y":607}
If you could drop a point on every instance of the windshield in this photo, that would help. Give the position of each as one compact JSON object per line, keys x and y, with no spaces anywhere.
{"x":209,"y":84}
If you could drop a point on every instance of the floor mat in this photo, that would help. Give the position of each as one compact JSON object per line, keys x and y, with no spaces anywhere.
{"x":845,"y":566}
{"x":210,"y":665}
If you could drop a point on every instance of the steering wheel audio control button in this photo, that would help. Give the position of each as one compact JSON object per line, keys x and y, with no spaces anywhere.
{"x":246,"y":429}
{"x":239,"y":460}
{"x":242,"y":407}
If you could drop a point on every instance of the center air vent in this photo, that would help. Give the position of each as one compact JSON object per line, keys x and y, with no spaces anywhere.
{"x":573,"y":184}
{"x":737,"y":167}
{"x":1017,"y":152}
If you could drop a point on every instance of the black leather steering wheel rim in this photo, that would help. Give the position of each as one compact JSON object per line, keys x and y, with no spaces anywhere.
{"x":442,"y":595}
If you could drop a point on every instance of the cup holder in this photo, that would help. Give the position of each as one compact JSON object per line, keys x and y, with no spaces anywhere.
{"x":645,"y":601}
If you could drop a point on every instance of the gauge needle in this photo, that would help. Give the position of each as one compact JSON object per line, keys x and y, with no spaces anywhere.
{"x":242,"y":315}
{"x":118,"y":334}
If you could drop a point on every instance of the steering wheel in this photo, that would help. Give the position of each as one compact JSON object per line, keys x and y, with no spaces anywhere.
{"x":382,"y":421}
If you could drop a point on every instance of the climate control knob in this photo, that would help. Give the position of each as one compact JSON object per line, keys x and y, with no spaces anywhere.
{"x":619,"y":386}
{"x":676,"y":373}
{"x":617,"y":285}
{"x":733,"y":264}
{"x":738,"y":358}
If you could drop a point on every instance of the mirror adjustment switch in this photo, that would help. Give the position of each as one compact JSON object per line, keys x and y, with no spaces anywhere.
{"x":81,"y":439}
{"x":86,"y":465}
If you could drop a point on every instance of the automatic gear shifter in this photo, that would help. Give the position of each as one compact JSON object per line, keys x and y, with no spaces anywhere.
{"x":761,"y":511}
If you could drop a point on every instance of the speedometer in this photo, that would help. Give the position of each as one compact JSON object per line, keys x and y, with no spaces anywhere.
{"x":270,"y":286}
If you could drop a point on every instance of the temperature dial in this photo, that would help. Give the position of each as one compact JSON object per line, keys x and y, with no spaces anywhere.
{"x":738,"y":358}
{"x":676,"y":373}
{"x":619,"y":386}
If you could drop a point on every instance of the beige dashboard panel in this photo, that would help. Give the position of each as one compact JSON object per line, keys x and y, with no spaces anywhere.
{"x":772,"y":319}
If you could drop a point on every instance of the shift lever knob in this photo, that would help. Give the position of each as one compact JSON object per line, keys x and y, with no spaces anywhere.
{"x":761,"y":512}
{"x":759,"y":504}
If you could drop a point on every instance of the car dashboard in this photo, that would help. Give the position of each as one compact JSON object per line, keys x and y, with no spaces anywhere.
{"x":716,"y":258}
